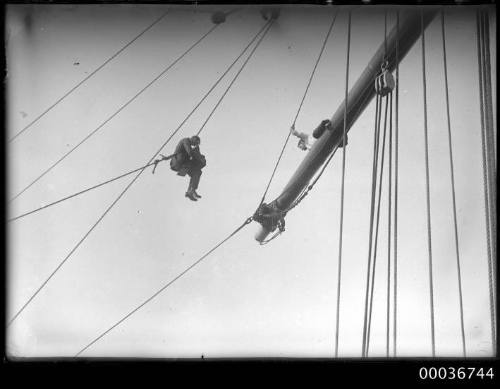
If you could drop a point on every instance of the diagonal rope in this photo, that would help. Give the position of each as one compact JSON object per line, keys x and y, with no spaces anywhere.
{"x":344,"y":147}
{"x":427,"y":186}
{"x":114,"y":114}
{"x":83,"y":191}
{"x":485,"y":184}
{"x":133,"y":180}
{"x":236,"y":76}
{"x":89,"y":76}
{"x":149,"y":299}
{"x":300,"y":105}
{"x":378,"y":110}
{"x":452,"y":175}
{"x":374,"y":267}
{"x":396,"y":171}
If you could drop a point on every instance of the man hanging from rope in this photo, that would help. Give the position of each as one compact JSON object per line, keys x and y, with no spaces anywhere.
{"x":189,"y":160}
{"x":304,"y":140}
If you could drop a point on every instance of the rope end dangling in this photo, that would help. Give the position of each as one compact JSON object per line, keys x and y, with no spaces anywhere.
{"x":157,"y":161}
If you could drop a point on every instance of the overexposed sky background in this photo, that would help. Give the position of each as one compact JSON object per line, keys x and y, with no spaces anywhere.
{"x":244,"y":299}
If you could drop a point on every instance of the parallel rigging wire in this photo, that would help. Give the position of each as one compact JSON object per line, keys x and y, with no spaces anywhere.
{"x":344,"y":147}
{"x":452,"y":176}
{"x":115,"y":113}
{"x":235,"y":78}
{"x":165,"y":286}
{"x":396,"y":172}
{"x":389,"y":210}
{"x":373,"y":247}
{"x":427,"y":186}
{"x":487,"y":208}
{"x":389,"y":220}
{"x":490,"y":137}
{"x":374,"y":263}
{"x":378,"y":110}
{"x":89,"y":76}
{"x":135,"y":178}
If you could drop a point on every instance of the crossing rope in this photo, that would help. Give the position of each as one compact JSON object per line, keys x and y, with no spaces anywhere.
{"x":236,"y":76}
{"x":154,"y":163}
{"x":93,"y":132}
{"x":132,"y":182}
{"x":300,"y":105}
{"x":149,"y":299}
{"x":89,"y":76}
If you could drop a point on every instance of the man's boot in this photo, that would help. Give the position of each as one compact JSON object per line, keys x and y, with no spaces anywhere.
{"x":190,"y":193}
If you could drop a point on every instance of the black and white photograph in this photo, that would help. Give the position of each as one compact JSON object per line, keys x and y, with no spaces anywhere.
{"x":236,"y":181}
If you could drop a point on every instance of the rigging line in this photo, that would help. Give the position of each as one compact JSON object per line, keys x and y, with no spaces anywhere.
{"x":164,"y":286}
{"x":490,"y":152}
{"x":389,"y":220}
{"x":315,"y":66}
{"x":82,"y":191}
{"x":378,"y":109}
{"x":452,"y":175}
{"x":318,"y":176}
{"x":427,"y":186}
{"x":89,"y":76}
{"x":344,"y":147}
{"x":300,"y":105}
{"x":485,"y":186}
{"x":307,"y":189}
{"x":236,"y":76}
{"x":396,"y":160}
{"x":115,"y":113}
{"x":382,"y":158}
{"x":487,"y":74}
{"x":133,"y":181}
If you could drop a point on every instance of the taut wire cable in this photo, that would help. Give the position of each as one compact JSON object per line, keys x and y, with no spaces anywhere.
{"x":396,"y":172}
{"x":378,"y":110}
{"x":374,"y":262}
{"x":344,"y":147}
{"x":88,"y":136}
{"x":485,"y":184}
{"x":452,"y":176}
{"x":427,"y":186}
{"x":389,"y":220}
{"x":300,"y":106}
{"x":236,"y":76}
{"x":134,"y":179}
{"x":89,"y":76}
{"x":246,"y":222}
